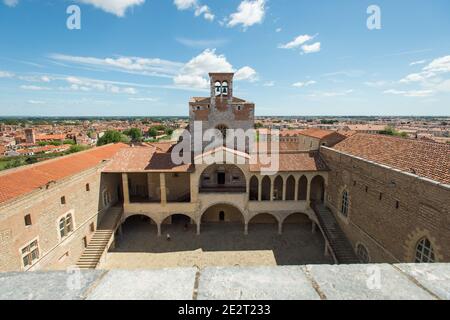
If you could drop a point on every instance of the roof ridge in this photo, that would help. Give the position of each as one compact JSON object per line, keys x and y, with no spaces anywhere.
{"x":38,"y":164}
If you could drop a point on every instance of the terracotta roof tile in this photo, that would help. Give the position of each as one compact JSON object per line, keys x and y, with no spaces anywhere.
{"x":296,"y":161}
{"x":23,"y":180}
{"x":426,"y":159}
{"x":316,"y":133}
{"x":144,"y":159}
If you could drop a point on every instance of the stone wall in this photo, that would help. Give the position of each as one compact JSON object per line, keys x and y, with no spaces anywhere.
{"x":389,"y":211}
{"x":83,"y":199}
{"x":310,"y":282}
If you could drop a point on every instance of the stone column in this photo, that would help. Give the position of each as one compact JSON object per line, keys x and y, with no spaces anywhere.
{"x":308,"y":192}
{"x":284,"y":189}
{"x":280,"y":228}
{"x":326,"y":253}
{"x":259,"y":189}
{"x":194,"y":187}
{"x":198,"y":228}
{"x":126,"y":190}
{"x":271,"y":188}
{"x":162,"y":184}
{"x":158,"y":225}
{"x":246,"y":229}
{"x":296,"y":189}
{"x":313,"y":227}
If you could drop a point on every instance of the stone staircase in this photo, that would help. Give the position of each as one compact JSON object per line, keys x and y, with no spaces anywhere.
{"x":340,"y":246}
{"x":101,"y":240}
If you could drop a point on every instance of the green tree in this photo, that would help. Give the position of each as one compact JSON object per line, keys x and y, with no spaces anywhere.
{"x":169,"y":131}
{"x":69,"y":141}
{"x":112,"y":136}
{"x":152,"y":132}
{"x":77,"y":148}
{"x":134,"y":133}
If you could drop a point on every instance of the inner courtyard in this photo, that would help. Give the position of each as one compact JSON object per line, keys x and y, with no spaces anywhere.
{"x":219,"y":244}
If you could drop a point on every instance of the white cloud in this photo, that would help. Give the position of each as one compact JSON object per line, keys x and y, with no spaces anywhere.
{"x":116,"y":7}
{"x":331,"y":93}
{"x":414,"y":63}
{"x":304,"y":84}
{"x":11,"y":3}
{"x":439,"y":65}
{"x":301,"y":42}
{"x":83,"y":84}
{"x":269,"y":84}
{"x":143,"y":99}
{"x":185,"y":4}
{"x":202,"y":43}
{"x":34,"y":88}
{"x":246,"y":73}
{"x":199,"y":9}
{"x":6,"y":74}
{"x":297,"y":42}
{"x":375,"y":83}
{"x":410,"y":93}
{"x":194,"y":73}
{"x":414,"y":77}
{"x":36,"y":102}
{"x":248,"y":13}
{"x":315,"y":47}
{"x":433,"y":78}
{"x":145,"y":66}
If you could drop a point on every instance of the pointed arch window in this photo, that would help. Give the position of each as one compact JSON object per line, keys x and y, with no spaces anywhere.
{"x":424,"y":251}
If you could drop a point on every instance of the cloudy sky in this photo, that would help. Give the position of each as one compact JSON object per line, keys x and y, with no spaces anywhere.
{"x":291,"y":57}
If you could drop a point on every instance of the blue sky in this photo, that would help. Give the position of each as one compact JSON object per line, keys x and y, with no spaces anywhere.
{"x":291,"y":57}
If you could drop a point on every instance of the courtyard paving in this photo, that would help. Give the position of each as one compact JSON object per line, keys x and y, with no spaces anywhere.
{"x":218,"y":245}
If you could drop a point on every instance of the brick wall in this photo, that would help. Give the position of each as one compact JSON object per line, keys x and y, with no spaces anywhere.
{"x":389,"y":211}
{"x":46,"y":209}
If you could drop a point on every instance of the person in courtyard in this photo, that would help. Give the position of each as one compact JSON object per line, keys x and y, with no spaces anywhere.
{"x":168,"y":237}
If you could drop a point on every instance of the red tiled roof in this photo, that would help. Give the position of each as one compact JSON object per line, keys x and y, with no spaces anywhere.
{"x":296,"y":161}
{"x":426,"y":159}
{"x":144,"y":159}
{"x":23,"y":180}
{"x":316,"y":133}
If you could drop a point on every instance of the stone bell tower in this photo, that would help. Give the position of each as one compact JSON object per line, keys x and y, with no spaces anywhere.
{"x":221,"y":85}
{"x":221,"y":110}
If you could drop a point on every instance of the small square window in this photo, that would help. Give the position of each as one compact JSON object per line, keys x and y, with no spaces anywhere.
{"x":88,"y":187}
{"x":92,"y":227}
{"x":28,"y":220}
{"x":397,"y":204}
{"x":63,"y":200}
{"x":367,"y":189}
{"x":381,"y":196}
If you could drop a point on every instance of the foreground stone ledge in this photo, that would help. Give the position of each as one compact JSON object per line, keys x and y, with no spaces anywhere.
{"x":312,"y":282}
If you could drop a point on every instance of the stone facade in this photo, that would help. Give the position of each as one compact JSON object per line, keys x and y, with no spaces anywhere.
{"x":79,"y":195}
{"x":389,"y":211}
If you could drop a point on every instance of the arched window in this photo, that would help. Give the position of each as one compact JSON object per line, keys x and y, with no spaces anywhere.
{"x":424,"y":251}
{"x":362,"y":253}
{"x":254,"y":189}
{"x":344,"y":204}
{"x":65,"y":225}
{"x":223,"y":130}
{"x":225,"y":88}
{"x":278,"y":189}
{"x":218,"y":88}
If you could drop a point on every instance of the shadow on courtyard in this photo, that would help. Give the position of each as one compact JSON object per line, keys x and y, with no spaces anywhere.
{"x":297,"y":245}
